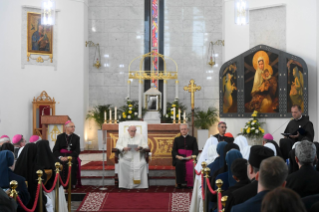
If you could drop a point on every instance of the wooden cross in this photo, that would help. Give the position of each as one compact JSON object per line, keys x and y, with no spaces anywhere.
{"x":192,"y":88}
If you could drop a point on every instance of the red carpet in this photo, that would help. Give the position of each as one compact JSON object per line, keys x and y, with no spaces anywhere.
{"x":131,"y":202}
{"x":98,"y":165}
{"x":115,"y":189}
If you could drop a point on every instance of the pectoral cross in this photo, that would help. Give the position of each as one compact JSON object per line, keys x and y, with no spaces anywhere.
{"x":192,"y":88}
{"x":69,"y":148}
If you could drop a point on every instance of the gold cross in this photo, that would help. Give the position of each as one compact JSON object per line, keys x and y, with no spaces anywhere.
{"x":192,"y":88}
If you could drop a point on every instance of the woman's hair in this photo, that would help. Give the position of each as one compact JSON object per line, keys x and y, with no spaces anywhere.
{"x":283,"y":200}
{"x":7,"y":146}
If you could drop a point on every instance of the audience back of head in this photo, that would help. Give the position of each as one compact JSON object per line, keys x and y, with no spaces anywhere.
{"x":239,"y":169}
{"x":305,"y":153}
{"x":283,"y":200}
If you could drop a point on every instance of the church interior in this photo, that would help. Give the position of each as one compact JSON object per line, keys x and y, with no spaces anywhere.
{"x":159,"y":105}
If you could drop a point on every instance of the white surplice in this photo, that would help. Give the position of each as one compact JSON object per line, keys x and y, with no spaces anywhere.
{"x":132,"y":167}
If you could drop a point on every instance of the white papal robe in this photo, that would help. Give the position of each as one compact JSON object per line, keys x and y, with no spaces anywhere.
{"x":132,"y":167}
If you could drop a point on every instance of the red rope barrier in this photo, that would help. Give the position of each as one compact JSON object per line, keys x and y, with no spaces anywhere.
{"x":67,"y":180}
{"x":220,"y":201}
{"x":203,"y":189}
{"x":209,"y":187}
{"x":197,"y":173}
{"x":53,"y":186}
{"x":35,"y":203}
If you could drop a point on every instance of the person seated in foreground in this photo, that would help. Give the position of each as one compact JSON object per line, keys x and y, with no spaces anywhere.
{"x":283,"y":200}
{"x":309,"y":201}
{"x":305,"y":181}
{"x":272,"y":174}
{"x":184,"y":147}
{"x":7,"y":175}
{"x":299,"y":127}
{"x":68,"y":144}
{"x":257,"y":154}
{"x":132,"y":167}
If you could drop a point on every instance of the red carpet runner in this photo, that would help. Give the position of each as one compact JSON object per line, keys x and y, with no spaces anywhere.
{"x":133,"y":202}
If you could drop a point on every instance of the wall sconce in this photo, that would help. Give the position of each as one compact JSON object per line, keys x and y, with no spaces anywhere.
{"x":211,"y":56}
{"x":97,"y":59}
{"x":241,"y":12}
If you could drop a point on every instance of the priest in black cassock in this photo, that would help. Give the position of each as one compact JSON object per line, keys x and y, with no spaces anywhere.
{"x":300,"y":127}
{"x":68,"y":144}
{"x":221,"y":133}
{"x":184,"y":147}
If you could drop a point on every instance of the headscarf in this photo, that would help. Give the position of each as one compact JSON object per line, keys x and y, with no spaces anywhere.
{"x":7,"y":146}
{"x":203,"y":156}
{"x":6,"y":160}
{"x":46,"y":159}
{"x":277,"y":148}
{"x":246,"y":152}
{"x":211,"y":154}
{"x":272,"y":147}
{"x":241,"y":141}
{"x":219,"y":161}
{"x":232,"y":155}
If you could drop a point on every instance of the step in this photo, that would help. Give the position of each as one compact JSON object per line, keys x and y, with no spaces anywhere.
{"x":159,"y":173}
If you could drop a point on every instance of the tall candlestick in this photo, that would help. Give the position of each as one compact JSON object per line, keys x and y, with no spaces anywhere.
{"x":104,"y":116}
{"x":184,"y":117}
{"x":174,"y":115}
{"x":115,"y":115}
{"x":179,"y":115}
{"x":110,"y":115}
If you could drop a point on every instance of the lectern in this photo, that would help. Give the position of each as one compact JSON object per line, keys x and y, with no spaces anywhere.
{"x":53,"y":126}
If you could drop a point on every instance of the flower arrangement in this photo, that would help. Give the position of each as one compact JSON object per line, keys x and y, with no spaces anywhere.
{"x":129,"y":111}
{"x":253,"y":127}
{"x":168,"y":117}
{"x":97,"y":113}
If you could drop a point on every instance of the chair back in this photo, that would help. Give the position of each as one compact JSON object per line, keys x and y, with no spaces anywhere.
{"x":141,"y":128}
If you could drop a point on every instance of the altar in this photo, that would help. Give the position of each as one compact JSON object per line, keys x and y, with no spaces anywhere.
{"x":160,"y":142}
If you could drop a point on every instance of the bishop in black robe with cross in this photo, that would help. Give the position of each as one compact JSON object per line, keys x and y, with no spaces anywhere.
{"x":68,"y":145}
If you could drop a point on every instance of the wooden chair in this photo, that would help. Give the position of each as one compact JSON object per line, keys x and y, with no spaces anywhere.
{"x":141,"y":128}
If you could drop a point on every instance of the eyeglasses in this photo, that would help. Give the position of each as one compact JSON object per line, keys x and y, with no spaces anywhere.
{"x":72,"y":126}
{"x":184,"y":129}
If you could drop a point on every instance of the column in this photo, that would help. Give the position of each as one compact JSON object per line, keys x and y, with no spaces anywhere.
{"x":128,"y":89}
{"x":140,"y":97}
{"x":176,"y":90}
{"x":164,"y":97}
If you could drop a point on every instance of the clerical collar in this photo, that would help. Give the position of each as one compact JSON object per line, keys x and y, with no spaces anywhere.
{"x":185,"y":136}
{"x":68,"y":134}
{"x":299,"y":118}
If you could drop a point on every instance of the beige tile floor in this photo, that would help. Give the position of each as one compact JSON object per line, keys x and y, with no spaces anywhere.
{"x":91,"y":157}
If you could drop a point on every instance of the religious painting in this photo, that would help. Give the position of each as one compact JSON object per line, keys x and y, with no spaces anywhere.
{"x":39,"y":36}
{"x":261,"y":82}
{"x":230,"y":89}
{"x":295,"y":84}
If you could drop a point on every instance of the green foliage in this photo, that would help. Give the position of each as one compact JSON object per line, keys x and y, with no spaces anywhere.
{"x":205,"y":119}
{"x":253,"y":128}
{"x":168,"y":117}
{"x":129,"y":111}
{"x":97,"y":113}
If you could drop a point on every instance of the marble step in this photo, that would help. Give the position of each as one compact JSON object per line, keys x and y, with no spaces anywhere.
{"x":152,"y":173}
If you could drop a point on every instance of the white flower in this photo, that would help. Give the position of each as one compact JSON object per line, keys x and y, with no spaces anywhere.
{"x":253,"y":128}
{"x":256,"y":131}
{"x":253,"y":123}
{"x":246,"y":127}
{"x":166,"y":116}
{"x":135,"y":113}
{"x":129,"y":117}
{"x":130,"y":108}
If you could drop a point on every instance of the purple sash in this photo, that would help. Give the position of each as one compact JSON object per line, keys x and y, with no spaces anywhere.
{"x":188,"y":166}
{"x":78,"y":175}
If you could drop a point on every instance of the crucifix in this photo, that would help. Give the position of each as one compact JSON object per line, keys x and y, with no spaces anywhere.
{"x":192,"y":88}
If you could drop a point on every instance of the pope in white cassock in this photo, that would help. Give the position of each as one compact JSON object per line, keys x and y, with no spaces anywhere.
{"x":132,"y":167}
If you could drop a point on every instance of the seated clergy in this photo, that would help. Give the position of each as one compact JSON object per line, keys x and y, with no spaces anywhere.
{"x":300,"y":127}
{"x":184,"y":147}
{"x":272,"y":174}
{"x":4,"y":139}
{"x":222,"y":136}
{"x":304,"y":181}
{"x":19,"y":142}
{"x":132,"y":167}
{"x":68,"y":144}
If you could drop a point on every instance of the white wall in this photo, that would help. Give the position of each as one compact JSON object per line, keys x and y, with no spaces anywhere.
{"x":301,"y":36}
{"x":68,"y":85}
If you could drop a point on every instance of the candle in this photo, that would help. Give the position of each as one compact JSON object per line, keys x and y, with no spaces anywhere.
{"x":110,"y":114}
{"x":115,"y":113}
{"x":104,"y":115}
{"x":184,"y":116}
{"x":174,"y":115}
{"x":179,"y":114}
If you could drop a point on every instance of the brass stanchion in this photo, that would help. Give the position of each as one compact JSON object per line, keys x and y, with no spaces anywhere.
{"x":203,"y":173}
{"x":194,"y":162}
{"x":70,"y":185}
{"x":224,"y":200}
{"x":219,"y":184}
{"x":40,"y":202}
{"x":207,"y":171}
{"x":14,"y":193}
{"x":57,"y":171}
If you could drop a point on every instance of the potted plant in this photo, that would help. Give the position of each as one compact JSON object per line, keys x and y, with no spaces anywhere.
{"x":97,"y":113}
{"x":203,"y":120}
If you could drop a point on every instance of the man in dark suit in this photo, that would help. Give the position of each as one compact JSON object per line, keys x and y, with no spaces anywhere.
{"x":68,"y":144}
{"x":305,"y":181}
{"x":257,"y":154}
{"x":222,"y":135}
{"x":272,"y":174}
{"x":184,"y":147}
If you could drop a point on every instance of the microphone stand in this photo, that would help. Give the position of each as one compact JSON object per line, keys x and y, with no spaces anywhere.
{"x":103,"y":188}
